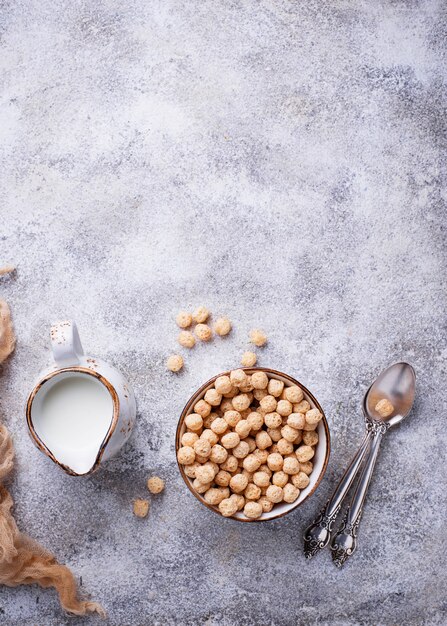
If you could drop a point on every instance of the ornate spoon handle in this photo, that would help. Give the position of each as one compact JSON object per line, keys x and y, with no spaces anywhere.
{"x":345,"y":541}
{"x":318,"y":534}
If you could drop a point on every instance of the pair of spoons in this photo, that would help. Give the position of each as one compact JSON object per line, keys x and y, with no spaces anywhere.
{"x":397,"y":384}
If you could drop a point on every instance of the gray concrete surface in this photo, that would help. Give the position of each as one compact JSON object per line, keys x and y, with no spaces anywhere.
{"x":280,"y":162}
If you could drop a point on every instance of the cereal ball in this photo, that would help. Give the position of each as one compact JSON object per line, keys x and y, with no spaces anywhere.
{"x":253,"y":510}
{"x":294,"y":394}
{"x":280,"y":478}
{"x":285,"y":447}
{"x":190,"y":470}
{"x":155,"y":484}
{"x":275,"y":461}
{"x":274,"y":433}
{"x":275,"y":387}
{"x":194,"y":422}
{"x":202,"y":448}
{"x":230,"y":440}
{"x":228,"y":507}
{"x":265,"y":468}
{"x":241,"y":450}
{"x":209,"y":419}
{"x":290,"y":466}
{"x":266,"y":504}
{"x":249,"y":475}
{"x":384,"y":408}
{"x":313,"y":416}
{"x":290,"y":493}
{"x":212,"y":397}
{"x":200,"y":315}
{"x":141,"y":507}
{"x":248,"y":359}
{"x":226,"y":405}
{"x":300,"y":480}
{"x":186,"y":455}
{"x":289,"y":433}
{"x":308,"y":427}
{"x":210,"y":436}
{"x":234,"y":391}
{"x":189,"y":439}
{"x":202,"y":408}
{"x":307,"y":467}
{"x":304,"y":453}
{"x":239,"y":499}
{"x":230,"y":465}
{"x":246,"y":386}
{"x":238,"y":377}
{"x":255,"y":420}
{"x":296,"y":420}
{"x":201,"y":459}
{"x":301,"y":407}
{"x":174,"y":363}
{"x":238,"y":483}
{"x":251,"y":443}
{"x":310,"y":438}
{"x":251,"y":463}
{"x":223,"y":384}
{"x":284,"y":408}
{"x":272,"y":420}
{"x":203,"y":332}
{"x":268,"y":403}
{"x":274,"y":494}
{"x":241,"y":402}
{"x":232,"y":418}
{"x":252,"y":492}
{"x":214,"y":496}
{"x":259,"y":380}
{"x":186,"y":339}
{"x":205,"y":474}
{"x":261,"y":455}
{"x":258,"y":394}
{"x":258,"y":337}
{"x":199,"y":486}
{"x":222,"y":478}
{"x":261,"y":479}
{"x":263,"y":440}
{"x":222,"y":326}
{"x":219,"y":425}
{"x":243,"y":428}
{"x":183,"y":319}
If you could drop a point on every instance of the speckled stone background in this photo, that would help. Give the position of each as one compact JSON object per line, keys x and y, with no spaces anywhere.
{"x":280,"y":162}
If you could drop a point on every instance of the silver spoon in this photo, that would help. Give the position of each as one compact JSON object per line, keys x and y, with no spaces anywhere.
{"x":397,"y":384}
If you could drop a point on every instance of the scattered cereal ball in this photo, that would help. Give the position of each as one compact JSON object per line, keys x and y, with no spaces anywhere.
{"x":304,"y":453}
{"x":202,"y":408}
{"x":263,"y":440}
{"x":183,"y":319}
{"x":290,"y":493}
{"x":268,"y":403}
{"x":272,"y":420}
{"x":223,"y":384}
{"x":210,"y":436}
{"x":253,"y":510}
{"x":301,"y":407}
{"x":214,"y":496}
{"x":259,"y":380}
{"x":266,"y":504}
{"x":300,"y":480}
{"x":243,"y":428}
{"x":205,"y":474}
{"x":155,"y":484}
{"x":255,"y":420}
{"x":280,"y":478}
{"x":296,"y":420}
{"x":230,"y":440}
{"x":213,"y":397}
{"x":289,"y":433}
{"x":186,"y":339}
{"x":194,"y":421}
{"x":251,"y":463}
{"x":186,"y":455}
{"x":284,"y":408}
{"x":230,"y":465}
{"x":239,"y":499}
{"x":141,"y":507}
{"x":258,"y":337}
{"x":228,"y":507}
{"x":307,"y":467}
{"x":219,"y":425}
{"x":241,"y":402}
{"x":238,"y":483}
{"x":222,"y":478}
{"x":241,"y":450}
{"x":189,"y":439}
{"x":313,"y":416}
{"x":285,"y":447}
{"x":174,"y":363}
{"x":275,"y":387}
{"x":252,"y":492}
{"x":200,"y":315}
{"x":384,"y":408}
{"x":261,"y":479}
{"x":274,"y":494}
{"x":310,"y":438}
{"x":293,"y":394}
{"x":275,"y":461}
{"x":290,"y":466}
{"x":232,"y":418}
{"x":190,"y":470}
{"x":203,"y":332}
{"x":238,"y":377}
{"x":218,"y":454}
{"x":222,"y":326}
{"x":248,"y":359}
{"x":202,"y":448}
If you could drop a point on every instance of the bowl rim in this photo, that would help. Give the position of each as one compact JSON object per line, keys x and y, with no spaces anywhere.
{"x":200,"y":392}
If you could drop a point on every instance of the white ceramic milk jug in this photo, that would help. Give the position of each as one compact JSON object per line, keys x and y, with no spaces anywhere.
{"x":81,"y":410}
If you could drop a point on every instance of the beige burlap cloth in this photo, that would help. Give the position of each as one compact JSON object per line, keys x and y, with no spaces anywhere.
{"x":22,"y":560}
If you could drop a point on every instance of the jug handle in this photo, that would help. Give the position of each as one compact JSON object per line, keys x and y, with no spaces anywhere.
{"x":65,"y":343}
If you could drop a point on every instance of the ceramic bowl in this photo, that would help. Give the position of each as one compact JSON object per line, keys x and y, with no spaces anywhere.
{"x":320,"y":459}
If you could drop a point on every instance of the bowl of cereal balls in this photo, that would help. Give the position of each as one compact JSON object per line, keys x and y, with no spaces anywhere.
{"x":252,"y":444}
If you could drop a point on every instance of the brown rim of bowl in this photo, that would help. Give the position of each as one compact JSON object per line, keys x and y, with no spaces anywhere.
{"x":199,"y":393}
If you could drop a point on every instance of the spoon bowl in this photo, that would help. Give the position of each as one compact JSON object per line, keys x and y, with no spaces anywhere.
{"x":397,"y":384}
